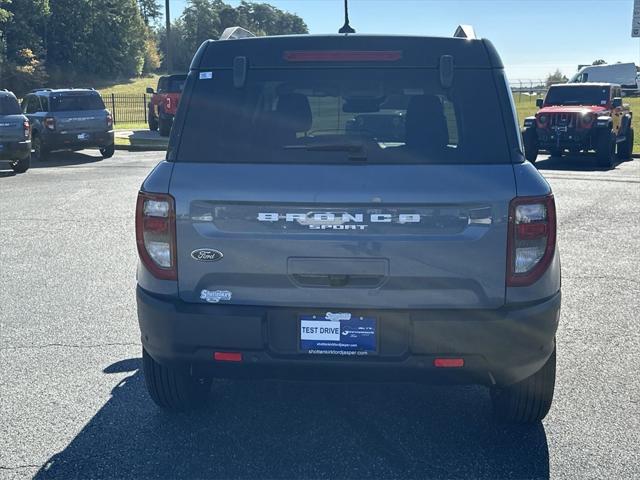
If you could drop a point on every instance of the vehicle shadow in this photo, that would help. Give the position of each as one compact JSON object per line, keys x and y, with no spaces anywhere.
{"x":582,"y":162}
{"x":64,"y":158}
{"x":298,"y":430}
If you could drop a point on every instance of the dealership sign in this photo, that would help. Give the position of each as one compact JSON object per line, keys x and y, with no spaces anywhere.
{"x":635,"y":24}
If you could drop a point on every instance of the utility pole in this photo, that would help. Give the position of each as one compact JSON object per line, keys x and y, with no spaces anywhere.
{"x":167,"y":18}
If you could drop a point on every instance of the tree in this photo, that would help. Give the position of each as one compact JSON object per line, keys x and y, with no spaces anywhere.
{"x":152,"y":59}
{"x":150,"y":11}
{"x":205,"y":19}
{"x":96,"y":38}
{"x":556,"y":77}
{"x":22,"y":26}
{"x":5,"y":16}
{"x":599,"y":62}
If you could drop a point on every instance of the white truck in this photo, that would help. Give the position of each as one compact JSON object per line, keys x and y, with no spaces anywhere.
{"x":624,"y":74}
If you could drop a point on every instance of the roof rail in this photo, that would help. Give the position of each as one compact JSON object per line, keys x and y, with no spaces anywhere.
{"x":234,"y":33}
{"x":40,"y":90}
{"x":465,"y":31}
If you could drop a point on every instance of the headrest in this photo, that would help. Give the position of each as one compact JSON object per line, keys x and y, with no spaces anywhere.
{"x":426,"y":123}
{"x":294,"y":110}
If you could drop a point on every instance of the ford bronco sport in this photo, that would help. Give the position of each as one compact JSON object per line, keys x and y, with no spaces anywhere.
{"x":164,"y":103}
{"x":275,"y":242}
{"x":15,"y":134}
{"x":581,"y":117}
{"x":68,"y":119}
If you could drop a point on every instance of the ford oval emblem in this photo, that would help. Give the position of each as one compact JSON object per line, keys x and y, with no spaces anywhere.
{"x":206,"y":255}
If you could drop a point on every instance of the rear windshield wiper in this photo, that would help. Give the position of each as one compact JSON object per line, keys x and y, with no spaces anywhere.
{"x":356,"y":150}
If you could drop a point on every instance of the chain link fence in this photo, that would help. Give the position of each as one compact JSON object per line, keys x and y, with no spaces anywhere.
{"x":528,"y":89}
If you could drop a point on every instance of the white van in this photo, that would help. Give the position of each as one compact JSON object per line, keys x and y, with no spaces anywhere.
{"x":624,"y":74}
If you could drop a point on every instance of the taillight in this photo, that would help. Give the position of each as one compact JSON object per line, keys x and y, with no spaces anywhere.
{"x":50,"y":123}
{"x":27,"y":130}
{"x":532,"y":239}
{"x":156,"y":234}
{"x":109,"y":121}
{"x":168,"y":102}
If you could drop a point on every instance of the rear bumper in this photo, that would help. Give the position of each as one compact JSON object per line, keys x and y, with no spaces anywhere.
{"x":15,"y":150}
{"x":67,"y":141}
{"x":500,"y":346}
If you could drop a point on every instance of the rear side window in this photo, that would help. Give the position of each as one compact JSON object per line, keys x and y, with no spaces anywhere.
{"x":68,"y":103}
{"x":9,"y":105}
{"x":32,"y":104}
{"x":388,"y":115}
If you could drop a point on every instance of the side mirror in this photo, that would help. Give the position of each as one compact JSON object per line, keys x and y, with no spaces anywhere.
{"x":150,"y":90}
{"x":616,"y":102}
{"x":539,"y":102}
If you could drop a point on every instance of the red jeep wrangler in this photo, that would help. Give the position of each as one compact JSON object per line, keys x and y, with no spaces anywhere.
{"x":164,"y":102}
{"x":581,"y":117}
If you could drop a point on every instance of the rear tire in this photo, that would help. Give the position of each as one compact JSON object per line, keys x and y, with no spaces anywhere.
{"x":527,"y":401}
{"x":153,"y":122}
{"x":164,"y":126}
{"x":173,"y":389}
{"x":22,"y":165}
{"x":108,"y":151}
{"x":625,"y":149}
{"x":606,"y":149}
{"x":531,"y":147}
{"x":40,"y":153}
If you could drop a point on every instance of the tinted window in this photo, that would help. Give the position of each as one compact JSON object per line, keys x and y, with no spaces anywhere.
{"x":577,"y":96}
{"x":334,"y":115}
{"x":68,"y":103}
{"x":162,"y":84}
{"x":32,"y":105}
{"x":176,"y":84}
{"x":9,"y":105}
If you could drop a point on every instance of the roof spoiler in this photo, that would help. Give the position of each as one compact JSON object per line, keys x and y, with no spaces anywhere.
{"x":465,"y":31}
{"x":234,"y":33}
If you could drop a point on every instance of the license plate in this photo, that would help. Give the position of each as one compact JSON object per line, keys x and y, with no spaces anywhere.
{"x":338,"y":334}
{"x":83,"y":136}
{"x":562,"y":129}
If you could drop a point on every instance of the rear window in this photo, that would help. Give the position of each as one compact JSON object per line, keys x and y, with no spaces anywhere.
{"x":9,"y":105}
{"x":592,"y":95}
{"x":388,"y":115}
{"x":68,"y":103}
{"x":176,"y":85}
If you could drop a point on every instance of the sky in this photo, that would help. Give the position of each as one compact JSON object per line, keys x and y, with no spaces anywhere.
{"x":533,"y":37}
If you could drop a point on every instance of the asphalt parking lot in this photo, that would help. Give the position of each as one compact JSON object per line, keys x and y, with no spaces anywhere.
{"x":73,"y":402}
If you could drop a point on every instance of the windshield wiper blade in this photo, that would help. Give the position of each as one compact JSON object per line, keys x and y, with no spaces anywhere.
{"x":328,"y":147}
{"x":356,"y":150}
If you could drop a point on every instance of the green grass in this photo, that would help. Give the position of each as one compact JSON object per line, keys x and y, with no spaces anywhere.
{"x":132,"y":126}
{"x":131,"y":86}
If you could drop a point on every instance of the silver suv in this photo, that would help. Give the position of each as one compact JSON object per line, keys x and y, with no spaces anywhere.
{"x":15,"y":133}
{"x":68,"y":119}
{"x":350,"y":207}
